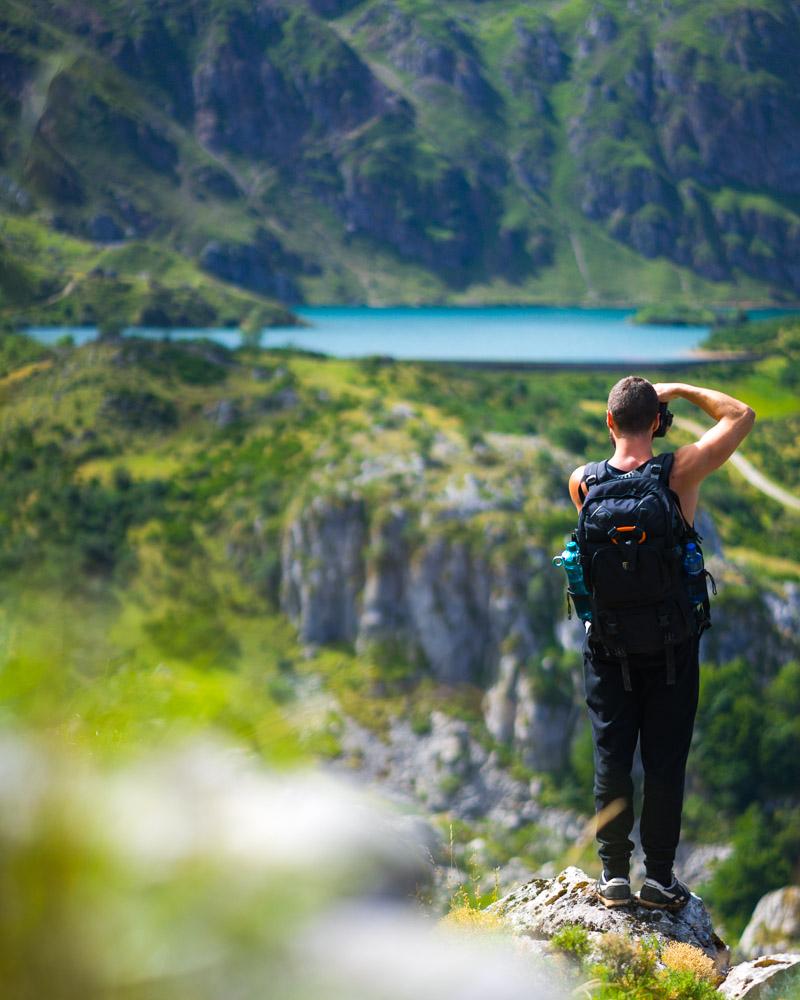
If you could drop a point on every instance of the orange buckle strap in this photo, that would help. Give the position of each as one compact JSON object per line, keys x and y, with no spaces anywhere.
{"x":627,"y":527}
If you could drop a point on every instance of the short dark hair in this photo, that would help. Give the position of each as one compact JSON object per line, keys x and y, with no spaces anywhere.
{"x":633,"y":403}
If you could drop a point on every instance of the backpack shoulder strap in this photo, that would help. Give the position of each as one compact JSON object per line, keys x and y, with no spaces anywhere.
{"x":593,"y":473}
{"x":661,"y":466}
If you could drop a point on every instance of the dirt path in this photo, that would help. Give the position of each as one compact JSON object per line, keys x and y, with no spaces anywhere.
{"x":748,"y":470}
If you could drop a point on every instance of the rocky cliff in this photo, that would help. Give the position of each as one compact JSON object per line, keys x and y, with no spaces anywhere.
{"x":451,"y":601}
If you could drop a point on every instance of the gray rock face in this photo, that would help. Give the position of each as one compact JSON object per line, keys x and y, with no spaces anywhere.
{"x":704,"y":523}
{"x":323,"y":569}
{"x":539,"y":53}
{"x":436,"y":599}
{"x":448,"y":600}
{"x":445,"y":768}
{"x":104,"y":229}
{"x":403,"y":40}
{"x":385,"y":614}
{"x":515,"y":715}
{"x":542,"y":907}
{"x":252,"y":95}
{"x":224,"y":412}
{"x":543,"y":729}
{"x":766,"y":978}
{"x":715,"y":125}
{"x":784,"y":609}
{"x":759,"y":628}
{"x":448,"y":603}
{"x":263,"y":266}
{"x":774,"y":925}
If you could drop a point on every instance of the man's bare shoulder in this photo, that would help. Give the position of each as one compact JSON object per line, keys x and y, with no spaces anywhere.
{"x":574,"y":482}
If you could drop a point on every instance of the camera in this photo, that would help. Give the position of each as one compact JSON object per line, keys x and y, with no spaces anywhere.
{"x":665,"y":417}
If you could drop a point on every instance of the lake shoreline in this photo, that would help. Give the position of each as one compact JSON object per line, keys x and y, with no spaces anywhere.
{"x":699,"y":359}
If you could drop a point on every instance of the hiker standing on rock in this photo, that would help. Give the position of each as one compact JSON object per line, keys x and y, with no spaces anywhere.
{"x":644,"y":603}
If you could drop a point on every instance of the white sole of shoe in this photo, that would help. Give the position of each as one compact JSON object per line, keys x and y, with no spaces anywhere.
{"x":672,"y":907}
{"x":611,"y":903}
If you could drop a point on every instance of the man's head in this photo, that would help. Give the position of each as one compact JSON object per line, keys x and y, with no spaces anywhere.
{"x":632,"y":407}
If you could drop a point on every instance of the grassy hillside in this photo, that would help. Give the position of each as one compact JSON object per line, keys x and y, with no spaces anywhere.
{"x":51,"y":279}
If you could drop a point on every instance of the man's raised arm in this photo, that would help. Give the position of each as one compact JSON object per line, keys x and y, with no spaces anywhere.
{"x":693,"y":462}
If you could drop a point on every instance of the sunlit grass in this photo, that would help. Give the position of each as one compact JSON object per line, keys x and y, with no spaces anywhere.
{"x":147,"y":466}
{"x":773,"y":567}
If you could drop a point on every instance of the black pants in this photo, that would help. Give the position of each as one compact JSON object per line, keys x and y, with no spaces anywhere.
{"x":661,"y":716}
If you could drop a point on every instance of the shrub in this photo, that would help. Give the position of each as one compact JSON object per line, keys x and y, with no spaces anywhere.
{"x":626,"y":961}
{"x":629,"y":971}
{"x":572,"y":940}
{"x":682,"y":957}
{"x":683,"y":985}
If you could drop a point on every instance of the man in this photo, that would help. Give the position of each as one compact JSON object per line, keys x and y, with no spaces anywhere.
{"x":657,"y":713}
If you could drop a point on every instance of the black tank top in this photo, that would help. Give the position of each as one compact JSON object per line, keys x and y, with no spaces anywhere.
{"x":619,"y":474}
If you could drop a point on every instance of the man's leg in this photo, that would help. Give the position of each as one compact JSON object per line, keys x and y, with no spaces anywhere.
{"x":668,"y":713}
{"x":614,"y":715}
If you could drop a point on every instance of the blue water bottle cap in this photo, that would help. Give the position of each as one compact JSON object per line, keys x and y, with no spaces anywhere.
{"x":690,"y":546}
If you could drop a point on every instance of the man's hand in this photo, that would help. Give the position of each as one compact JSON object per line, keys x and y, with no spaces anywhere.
{"x":668,"y":390}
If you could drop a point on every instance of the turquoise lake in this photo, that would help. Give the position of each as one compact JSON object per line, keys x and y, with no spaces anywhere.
{"x":507,"y":333}
{"x":480,"y":333}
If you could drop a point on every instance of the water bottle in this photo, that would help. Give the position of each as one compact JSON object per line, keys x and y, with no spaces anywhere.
{"x":695,"y":572}
{"x":570,"y":559}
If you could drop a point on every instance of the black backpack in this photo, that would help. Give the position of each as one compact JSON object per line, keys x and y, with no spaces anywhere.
{"x":631,"y":535}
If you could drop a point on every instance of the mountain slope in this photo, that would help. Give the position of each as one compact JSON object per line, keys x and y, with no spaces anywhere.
{"x":411,"y":149}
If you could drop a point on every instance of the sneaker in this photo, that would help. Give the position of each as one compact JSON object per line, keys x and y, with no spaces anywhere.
{"x":655,"y":896}
{"x":614,"y":891}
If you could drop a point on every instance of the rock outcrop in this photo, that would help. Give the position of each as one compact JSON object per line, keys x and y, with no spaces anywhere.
{"x":537,"y":910}
{"x":261,"y":265}
{"x":766,"y":978}
{"x":540,"y":908}
{"x":774,"y":925}
{"x":703,"y":134}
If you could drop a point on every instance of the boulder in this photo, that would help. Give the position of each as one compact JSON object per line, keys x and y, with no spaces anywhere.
{"x":766,"y":978}
{"x":543,"y":906}
{"x":775,"y":924}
